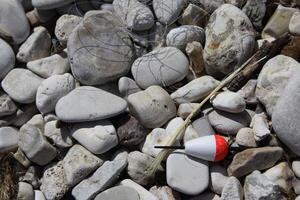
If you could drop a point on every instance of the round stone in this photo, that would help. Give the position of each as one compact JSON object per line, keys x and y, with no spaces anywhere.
{"x":230,"y":102}
{"x":7,"y":61}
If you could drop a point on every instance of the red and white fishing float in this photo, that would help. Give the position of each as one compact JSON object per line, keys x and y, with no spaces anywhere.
{"x":212,"y":148}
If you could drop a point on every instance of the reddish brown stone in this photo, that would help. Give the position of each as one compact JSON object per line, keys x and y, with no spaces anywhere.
{"x":292,"y":49}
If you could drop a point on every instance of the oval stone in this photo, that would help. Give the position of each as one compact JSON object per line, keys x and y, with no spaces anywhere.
{"x":7,"y":61}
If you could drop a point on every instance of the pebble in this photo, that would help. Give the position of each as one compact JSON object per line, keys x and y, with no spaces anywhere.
{"x":229,"y":102}
{"x":165,"y":193}
{"x":229,"y":123}
{"x":250,"y":160}
{"x":245,"y":138}
{"x":281,"y":175}
{"x":296,"y":168}
{"x":160,"y":137}
{"x":64,"y":27}
{"x":164,"y":66}
{"x":127,"y":86}
{"x":49,"y":4}
{"x":9,"y":138}
{"x":218,"y":178}
{"x":16,"y":29}
{"x":258,"y":186}
{"x":51,"y":90}
{"x":90,"y":69}
{"x":181,"y":36}
{"x":168,"y":11}
{"x":232,"y":190}
{"x":143,"y":193}
{"x":278,"y":24}
{"x":7,"y":62}
{"x":54,"y":185}
{"x":79,"y":163}
{"x":21,"y":85}
{"x":7,"y":106}
{"x":135,"y":15}
{"x":36,"y":46}
{"x":25,"y":191}
{"x":185,"y":109}
{"x":88,"y":103}
{"x":35,"y":146}
{"x":23,"y":114}
{"x":294,"y":26}
{"x":248,"y":92}
{"x":260,"y":127}
{"x":138,"y":164}
{"x":37,"y":121}
{"x":130,"y":132}
{"x":56,"y":64}
{"x":210,"y":6}
{"x":98,"y":136}
{"x":104,"y":177}
{"x":194,"y":171}
{"x":32,"y":176}
{"x":255,"y":10}
{"x":194,"y":15}
{"x":59,"y":136}
{"x":38,"y":195}
{"x":273,"y":78}
{"x":205,"y":196}
{"x":195,"y":90}
{"x":118,"y":193}
{"x":153,"y":107}
{"x":230,"y":40}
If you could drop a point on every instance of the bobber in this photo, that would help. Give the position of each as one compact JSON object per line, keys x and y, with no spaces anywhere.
{"x":211,"y":148}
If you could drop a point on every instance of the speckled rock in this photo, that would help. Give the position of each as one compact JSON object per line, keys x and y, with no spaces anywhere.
{"x":89,"y":65}
{"x":21,"y":85}
{"x":229,"y":42}
{"x":153,"y":107}
{"x":164,"y":66}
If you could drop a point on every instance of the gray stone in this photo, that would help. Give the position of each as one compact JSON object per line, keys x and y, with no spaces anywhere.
{"x":89,"y":104}
{"x":21,"y":85}
{"x":281,"y":175}
{"x":49,"y":4}
{"x":7,"y":106}
{"x":36,"y":46}
{"x":118,"y":193}
{"x":38,"y":195}
{"x":165,"y":193}
{"x":218,"y":178}
{"x":34,"y":144}
{"x":195,"y":90}
{"x":245,"y":138}
{"x":256,"y":10}
{"x":194,"y":15}
{"x":143,"y":193}
{"x":98,"y":137}
{"x":294,"y":26}
{"x":205,"y":196}
{"x":232,"y":190}
{"x":127,"y":86}
{"x":229,"y":101}
{"x":99,"y":49}
{"x":248,"y":92}
{"x":286,"y":115}
{"x":9,"y":138}
{"x":51,"y":90}
{"x":164,"y":66}
{"x":49,"y":66}
{"x":25,"y":191}
{"x":135,"y":15}
{"x":54,"y":185}
{"x":79,"y":163}
{"x":250,"y":160}
{"x":184,"y":109}
{"x":186,"y":174}
{"x":230,"y":40}
{"x":103,"y":178}
{"x":273,"y":78}
{"x":60,"y":136}
{"x":181,"y":36}
{"x":209,"y":5}
{"x":258,"y":186}
{"x":7,"y":58}
{"x":37,"y":121}
{"x":138,"y":163}
{"x":260,"y":127}
{"x":130,"y":132}
{"x":237,"y":3}
{"x":278,"y":24}
{"x":70,"y":9}
{"x":153,"y":107}
{"x":296,"y":168}
{"x":228,"y":123}
{"x":24,"y":114}
{"x":64,"y":27}
{"x":168,"y":11}
{"x":15,"y":28}
{"x":32,"y":176}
